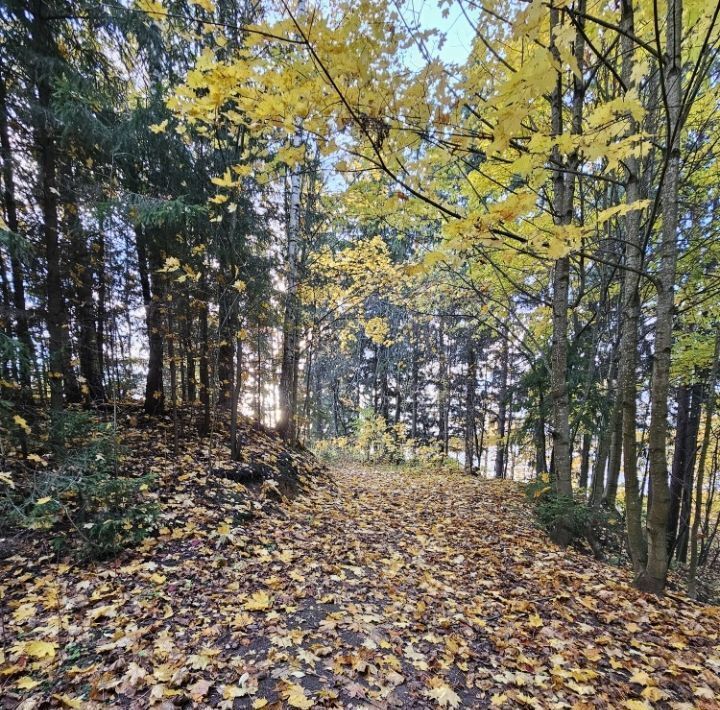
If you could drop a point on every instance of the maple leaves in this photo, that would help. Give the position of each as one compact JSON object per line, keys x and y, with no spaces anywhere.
{"x":36,"y":649}
{"x":296,"y":698}
{"x":443,"y":695}
{"x":375,"y":587}
{"x":259,"y":601}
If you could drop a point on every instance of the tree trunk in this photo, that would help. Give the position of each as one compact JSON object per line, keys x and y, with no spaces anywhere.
{"x":172,"y":366}
{"x":101,"y":313}
{"x":700,"y":478}
{"x":584,"y":461}
{"x":291,"y":319}
{"x":226,"y":348}
{"x":204,"y":422}
{"x":630,"y":317}
{"x":187,"y":323}
{"x":152,"y":299}
{"x":414,"y":384}
{"x":677,"y":472}
{"x":82,"y":278}
{"x":470,"y":408}
{"x":614,"y":448}
{"x":541,"y":466}
{"x":502,"y":408}
{"x":559,"y":387}
{"x":653,"y":577}
{"x":598,"y":491}
{"x":689,"y":445}
{"x":442,"y":389}
{"x":563,"y":201}
{"x":22,"y":329}
{"x":44,"y":48}
{"x":237,"y":391}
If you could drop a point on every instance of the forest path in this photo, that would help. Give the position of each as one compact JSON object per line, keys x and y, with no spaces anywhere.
{"x":373,"y":588}
{"x":437,"y":589}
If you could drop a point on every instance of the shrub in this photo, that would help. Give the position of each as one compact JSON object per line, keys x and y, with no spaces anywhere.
{"x":570,"y":520}
{"x":375,"y":441}
{"x":84,"y":504}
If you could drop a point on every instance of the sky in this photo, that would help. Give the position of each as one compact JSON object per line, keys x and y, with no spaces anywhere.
{"x":458,"y":32}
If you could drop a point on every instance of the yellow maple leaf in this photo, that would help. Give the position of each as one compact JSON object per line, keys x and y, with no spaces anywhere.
{"x":535,"y":621}
{"x":640,"y":677}
{"x":39,"y":649}
{"x":259,"y":601}
{"x":155,"y":9}
{"x":21,"y":423}
{"x":444,"y":696}
{"x":26,"y":683}
{"x":296,"y":698}
{"x":230,"y":692}
{"x":159,"y":127}
{"x":224,"y":181}
{"x":199,"y":661}
{"x":653,"y":694}
{"x":172,"y":263}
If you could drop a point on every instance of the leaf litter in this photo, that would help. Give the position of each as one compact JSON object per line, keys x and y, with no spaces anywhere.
{"x":366,"y":588}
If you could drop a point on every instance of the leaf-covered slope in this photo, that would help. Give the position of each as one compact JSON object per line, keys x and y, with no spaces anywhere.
{"x":371,"y":588}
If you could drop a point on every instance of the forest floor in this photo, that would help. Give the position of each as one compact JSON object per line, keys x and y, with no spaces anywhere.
{"x":373,"y":588}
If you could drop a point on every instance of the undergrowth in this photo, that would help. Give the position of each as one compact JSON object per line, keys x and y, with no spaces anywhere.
{"x":78,"y":497}
{"x":573,"y":521}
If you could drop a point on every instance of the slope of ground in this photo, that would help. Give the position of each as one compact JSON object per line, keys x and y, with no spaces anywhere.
{"x":372,"y":589}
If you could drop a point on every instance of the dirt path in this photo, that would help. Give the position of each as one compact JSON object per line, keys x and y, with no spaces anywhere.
{"x":378,"y":589}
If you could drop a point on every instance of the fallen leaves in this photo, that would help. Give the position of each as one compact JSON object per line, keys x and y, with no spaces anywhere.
{"x":444,"y":696}
{"x":36,"y":649}
{"x":259,"y":601}
{"x":375,"y":588}
{"x":295,"y":696}
{"x":199,"y":689}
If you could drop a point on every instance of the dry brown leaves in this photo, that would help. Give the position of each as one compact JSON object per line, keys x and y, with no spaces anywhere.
{"x":371,"y":589}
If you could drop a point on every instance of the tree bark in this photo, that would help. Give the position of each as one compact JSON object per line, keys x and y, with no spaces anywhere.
{"x":414,"y":384}
{"x":652,"y":578}
{"x":679,"y":519}
{"x":22,"y":329}
{"x":443,"y":389}
{"x":470,"y":408}
{"x":226,"y":348}
{"x":82,"y":278}
{"x":291,"y":319}
{"x":154,"y":403}
{"x":540,"y":441}
{"x":45,"y":149}
{"x":584,"y":461}
{"x":204,"y":421}
{"x":700,"y":478}
{"x":502,"y":408}
{"x":563,"y":202}
{"x":630,"y":315}
{"x":614,"y":446}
